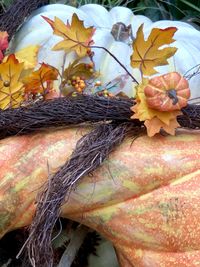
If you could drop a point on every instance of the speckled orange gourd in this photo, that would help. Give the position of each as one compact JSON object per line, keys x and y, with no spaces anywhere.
{"x":145,"y":198}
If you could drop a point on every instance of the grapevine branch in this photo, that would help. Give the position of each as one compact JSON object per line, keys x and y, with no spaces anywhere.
{"x":66,"y":111}
{"x":91,"y":150}
{"x":15,"y":15}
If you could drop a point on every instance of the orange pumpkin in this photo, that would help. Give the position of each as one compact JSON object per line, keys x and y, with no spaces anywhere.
{"x":145,"y":198}
{"x":167,"y":92}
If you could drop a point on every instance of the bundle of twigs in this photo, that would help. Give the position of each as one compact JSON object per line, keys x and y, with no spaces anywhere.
{"x":66,"y":111}
{"x":90,"y":152}
{"x":16,"y":14}
{"x":63,"y":112}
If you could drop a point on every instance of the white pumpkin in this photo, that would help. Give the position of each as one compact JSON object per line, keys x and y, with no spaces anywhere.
{"x":37,"y":31}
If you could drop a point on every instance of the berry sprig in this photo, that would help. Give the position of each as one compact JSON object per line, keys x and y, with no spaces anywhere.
{"x":77,"y":76}
{"x":78,"y":82}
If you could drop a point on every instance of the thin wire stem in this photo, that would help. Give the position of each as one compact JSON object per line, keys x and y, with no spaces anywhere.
{"x":117,"y":60}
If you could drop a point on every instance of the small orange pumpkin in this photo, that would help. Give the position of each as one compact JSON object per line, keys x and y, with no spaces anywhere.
{"x":167,"y":92}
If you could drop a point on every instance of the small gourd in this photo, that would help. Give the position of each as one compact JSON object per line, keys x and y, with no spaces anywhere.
{"x":168,"y":92}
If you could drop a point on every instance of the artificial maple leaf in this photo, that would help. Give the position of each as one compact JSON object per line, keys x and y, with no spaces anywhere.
{"x":28,"y":56}
{"x":34,"y":83}
{"x":147,"y":54}
{"x":155,"y":125}
{"x":143,"y":112}
{"x":76,"y":37}
{"x":11,"y":88}
{"x":154,"y":119}
{"x":3,"y":43}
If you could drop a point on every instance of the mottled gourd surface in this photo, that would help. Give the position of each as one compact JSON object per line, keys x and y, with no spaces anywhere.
{"x":145,"y":197}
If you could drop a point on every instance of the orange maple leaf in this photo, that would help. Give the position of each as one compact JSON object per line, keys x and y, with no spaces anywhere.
{"x":76,"y":37}
{"x":155,"y":120}
{"x":11,"y":88}
{"x":35,"y":82}
{"x":148,"y":54}
{"x":3,"y":43}
{"x":155,"y":125}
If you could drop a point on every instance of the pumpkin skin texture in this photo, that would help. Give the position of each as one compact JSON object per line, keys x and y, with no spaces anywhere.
{"x":145,"y":198}
{"x":37,"y":31}
{"x":168,"y":92}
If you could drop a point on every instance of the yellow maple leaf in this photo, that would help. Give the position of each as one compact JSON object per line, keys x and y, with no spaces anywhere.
{"x":28,"y":56}
{"x":34,"y":83}
{"x":148,"y":54}
{"x":154,"y":119}
{"x":76,"y":36}
{"x":11,"y":88}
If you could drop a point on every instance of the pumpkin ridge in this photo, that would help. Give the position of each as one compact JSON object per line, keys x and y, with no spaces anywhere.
{"x":179,"y":82}
{"x":156,"y":88}
{"x":163,"y":79}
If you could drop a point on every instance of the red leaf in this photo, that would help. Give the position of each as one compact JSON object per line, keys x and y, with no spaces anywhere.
{"x":3,"y":43}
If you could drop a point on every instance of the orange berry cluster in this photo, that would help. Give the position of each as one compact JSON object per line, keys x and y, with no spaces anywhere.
{"x":78,"y":83}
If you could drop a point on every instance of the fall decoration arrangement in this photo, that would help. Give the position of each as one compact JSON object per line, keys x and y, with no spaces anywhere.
{"x":75,"y":84}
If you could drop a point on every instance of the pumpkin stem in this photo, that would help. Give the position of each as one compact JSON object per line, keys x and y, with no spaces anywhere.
{"x":122,"y":33}
{"x":172,"y":95}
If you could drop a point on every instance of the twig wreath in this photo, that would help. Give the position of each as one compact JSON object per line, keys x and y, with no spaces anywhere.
{"x":160,"y":104}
